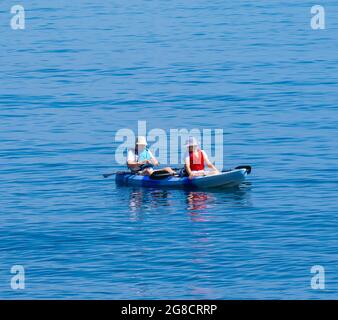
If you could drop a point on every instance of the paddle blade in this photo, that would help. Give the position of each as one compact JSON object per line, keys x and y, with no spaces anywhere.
{"x":106,"y":175}
{"x":248,"y":168}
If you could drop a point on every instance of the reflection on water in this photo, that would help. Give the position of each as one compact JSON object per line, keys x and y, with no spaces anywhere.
{"x":140,"y":198}
{"x":198,"y":204}
{"x":197,"y":200}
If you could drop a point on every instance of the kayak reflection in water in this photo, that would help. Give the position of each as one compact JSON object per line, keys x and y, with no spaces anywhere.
{"x":196,"y":159}
{"x":197,"y":201}
{"x":199,"y":205}
{"x":141,"y":160}
{"x":142,"y":200}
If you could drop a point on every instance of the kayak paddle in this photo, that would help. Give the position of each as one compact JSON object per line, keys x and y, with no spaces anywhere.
{"x":160,"y":174}
{"x":106,"y":175}
{"x":248,"y":168}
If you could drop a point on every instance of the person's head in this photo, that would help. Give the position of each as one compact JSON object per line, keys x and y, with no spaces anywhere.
{"x":192,"y":144}
{"x":141,"y":143}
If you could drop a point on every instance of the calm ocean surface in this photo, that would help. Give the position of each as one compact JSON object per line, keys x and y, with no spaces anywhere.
{"x":84,"y":69}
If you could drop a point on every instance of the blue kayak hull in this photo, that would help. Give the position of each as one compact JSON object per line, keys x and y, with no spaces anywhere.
{"x":231,"y":178}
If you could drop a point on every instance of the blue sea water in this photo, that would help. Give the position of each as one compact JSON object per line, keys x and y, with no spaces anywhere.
{"x":82,"y":70}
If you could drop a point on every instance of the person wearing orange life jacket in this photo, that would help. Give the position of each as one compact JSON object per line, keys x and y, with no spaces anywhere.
{"x":196,"y":159}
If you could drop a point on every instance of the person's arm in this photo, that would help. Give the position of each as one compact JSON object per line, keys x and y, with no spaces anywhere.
{"x":153,"y":159}
{"x":208,"y":163}
{"x":134,"y":164}
{"x":131,"y":163}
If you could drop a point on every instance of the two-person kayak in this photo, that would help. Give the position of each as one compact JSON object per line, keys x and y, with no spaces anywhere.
{"x":198,"y":171}
{"x":230,"y":178}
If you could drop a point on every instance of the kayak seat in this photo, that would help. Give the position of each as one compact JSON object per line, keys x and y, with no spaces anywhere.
{"x":182,"y":172}
{"x":160,"y":174}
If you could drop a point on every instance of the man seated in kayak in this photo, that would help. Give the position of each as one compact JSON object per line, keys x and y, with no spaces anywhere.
{"x":196,"y":159}
{"x":141,"y":160}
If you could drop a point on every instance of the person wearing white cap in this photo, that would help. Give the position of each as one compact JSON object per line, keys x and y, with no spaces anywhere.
{"x":141,"y":160}
{"x":196,"y":159}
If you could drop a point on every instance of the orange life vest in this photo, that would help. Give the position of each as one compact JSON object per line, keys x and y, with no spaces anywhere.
{"x":196,"y":163}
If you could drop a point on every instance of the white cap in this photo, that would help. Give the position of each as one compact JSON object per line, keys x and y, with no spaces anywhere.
{"x":141,"y":140}
{"x":192,"y":141}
